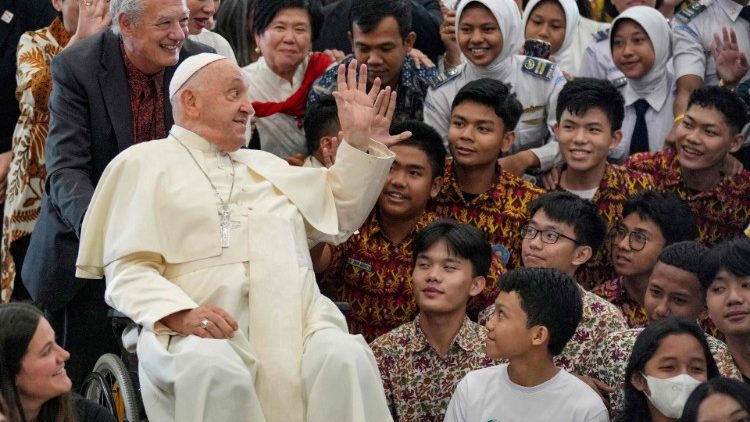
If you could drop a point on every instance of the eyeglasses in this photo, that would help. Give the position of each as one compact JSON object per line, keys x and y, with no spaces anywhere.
{"x":636,"y":240}
{"x":548,"y":236}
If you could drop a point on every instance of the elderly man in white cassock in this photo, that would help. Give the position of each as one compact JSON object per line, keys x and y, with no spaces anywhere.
{"x":207,"y":247}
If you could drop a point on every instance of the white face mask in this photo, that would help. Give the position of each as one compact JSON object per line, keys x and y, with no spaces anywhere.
{"x":669,"y":395}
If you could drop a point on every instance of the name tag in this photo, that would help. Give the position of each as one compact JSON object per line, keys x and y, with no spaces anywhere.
{"x":359,"y":264}
{"x":7,"y":16}
{"x":502,"y":253}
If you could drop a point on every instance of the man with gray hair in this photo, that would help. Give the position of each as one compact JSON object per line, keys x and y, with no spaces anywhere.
{"x":209,"y":252}
{"x":108,"y":93}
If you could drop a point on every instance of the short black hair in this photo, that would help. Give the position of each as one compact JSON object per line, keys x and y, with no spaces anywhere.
{"x":646,"y":345}
{"x":685,"y":255}
{"x":725,"y":102}
{"x":667,"y":210}
{"x":264,"y":11}
{"x":581,"y":214}
{"x":321,"y":119}
{"x":734,"y":388}
{"x":550,"y":298}
{"x":731,"y":256}
{"x":426,"y":139}
{"x":583,"y":94}
{"x":462,"y":240}
{"x":367,"y":14}
{"x":495,"y":95}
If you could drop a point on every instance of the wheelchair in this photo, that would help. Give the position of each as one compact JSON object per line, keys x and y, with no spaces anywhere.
{"x":114,"y":383}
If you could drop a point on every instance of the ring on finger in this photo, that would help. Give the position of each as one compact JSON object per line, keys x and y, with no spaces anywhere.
{"x":204,"y":323}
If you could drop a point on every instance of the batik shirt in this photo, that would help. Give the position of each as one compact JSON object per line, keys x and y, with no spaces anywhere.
{"x":500,"y":212}
{"x":614,"y":292}
{"x":721,"y":213}
{"x":373,"y":275}
{"x":600,"y":319}
{"x":410,"y":93}
{"x":617,"y":186}
{"x":610,"y":358}
{"x":418,"y":382}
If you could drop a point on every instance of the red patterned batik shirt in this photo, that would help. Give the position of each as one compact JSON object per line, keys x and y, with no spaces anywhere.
{"x":373,"y":275}
{"x":614,"y":292}
{"x":500,"y":212}
{"x":418,"y":382}
{"x":721,"y":213}
{"x":617,"y":186}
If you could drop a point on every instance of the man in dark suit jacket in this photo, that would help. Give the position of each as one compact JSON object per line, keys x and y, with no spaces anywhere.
{"x":97,"y":83}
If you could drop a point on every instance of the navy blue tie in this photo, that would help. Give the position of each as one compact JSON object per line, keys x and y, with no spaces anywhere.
{"x":639,"y":140}
{"x":745,"y":13}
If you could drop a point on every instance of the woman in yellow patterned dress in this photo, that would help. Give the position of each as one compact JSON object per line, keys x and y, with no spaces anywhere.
{"x":77,"y":20}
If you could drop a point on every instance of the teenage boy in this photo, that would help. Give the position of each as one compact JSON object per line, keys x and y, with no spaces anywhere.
{"x":381,"y":38}
{"x":563,"y":233}
{"x":673,"y":289}
{"x":710,"y":129}
{"x":725,"y":274}
{"x":536,"y":314}
{"x":422,"y":361}
{"x":589,"y":117}
{"x":476,"y":190}
{"x":652,"y":221}
{"x":371,"y":271}
{"x":321,"y":127}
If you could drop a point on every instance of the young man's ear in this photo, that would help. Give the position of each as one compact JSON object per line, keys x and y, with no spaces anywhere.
{"x":507,"y":142}
{"x":616,"y":139}
{"x":582,"y":254}
{"x":409,"y":41}
{"x":539,"y":335}
{"x":737,"y":141}
{"x":437,"y":184}
{"x":477,"y":285}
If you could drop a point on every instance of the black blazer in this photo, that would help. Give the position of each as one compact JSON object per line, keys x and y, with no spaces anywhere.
{"x":90,"y":123}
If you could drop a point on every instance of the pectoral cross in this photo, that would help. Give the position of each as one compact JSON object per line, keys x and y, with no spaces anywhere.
{"x":226,"y":225}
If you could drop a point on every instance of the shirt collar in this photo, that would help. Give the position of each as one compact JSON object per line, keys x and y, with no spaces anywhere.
{"x":731,"y":8}
{"x":192,"y":140}
{"x":656,"y":97}
{"x":464,"y":339}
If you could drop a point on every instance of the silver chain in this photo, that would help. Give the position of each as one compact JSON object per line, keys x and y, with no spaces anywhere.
{"x":224,"y":206}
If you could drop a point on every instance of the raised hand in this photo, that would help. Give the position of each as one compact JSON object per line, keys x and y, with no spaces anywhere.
{"x":355,"y":104}
{"x":385,"y":107}
{"x":731,"y":63}
{"x":93,"y":17}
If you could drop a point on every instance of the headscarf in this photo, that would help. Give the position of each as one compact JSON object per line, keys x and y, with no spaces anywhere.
{"x":509,"y":19}
{"x":657,"y":29}
{"x":563,"y":56}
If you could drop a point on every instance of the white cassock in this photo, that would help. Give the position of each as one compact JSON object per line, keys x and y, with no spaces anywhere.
{"x":153,"y":230}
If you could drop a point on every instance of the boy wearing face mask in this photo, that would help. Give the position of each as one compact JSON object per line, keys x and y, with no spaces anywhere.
{"x":710,"y":130}
{"x":673,"y":290}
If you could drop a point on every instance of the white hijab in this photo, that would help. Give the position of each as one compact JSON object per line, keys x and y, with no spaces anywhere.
{"x":657,"y":28}
{"x":509,"y":19}
{"x":563,"y":56}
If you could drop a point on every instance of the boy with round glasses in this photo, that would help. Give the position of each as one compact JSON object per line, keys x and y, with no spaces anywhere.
{"x":651,"y":221}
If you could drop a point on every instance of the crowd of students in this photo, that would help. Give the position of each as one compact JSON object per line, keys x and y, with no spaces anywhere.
{"x":559,"y":237}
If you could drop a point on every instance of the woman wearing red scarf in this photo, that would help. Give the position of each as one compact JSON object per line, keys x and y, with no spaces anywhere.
{"x":281,"y":79}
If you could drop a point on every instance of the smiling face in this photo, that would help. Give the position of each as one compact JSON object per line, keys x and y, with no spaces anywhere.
{"x":632,"y":50}
{"x":201,"y":12}
{"x":719,"y":407}
{"x":153,"y":42}
{"x":218,"y":102}
{"x":479,"y":35}
{"x":382,"y":49}
{"x":409,"y":185}
{"x":631,"y":263}
{"x":728,"y":301}
{"x":444,"y":282}
{"x":673,"y":291}
{"x":477,"y":135}
{"x":547,"y":23}
{"x":564,"y":255}
{"x":42,"y":375}
{"x":286,"y":41}
{"x":585,"y":140}
{"x":703,"y":139}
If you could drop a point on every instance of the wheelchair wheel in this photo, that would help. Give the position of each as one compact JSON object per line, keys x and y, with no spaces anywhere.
{"x":110,"y":386}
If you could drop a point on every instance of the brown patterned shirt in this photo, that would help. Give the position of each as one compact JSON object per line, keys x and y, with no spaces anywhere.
{"x":418,"y":382}
{"x":146,"y":102}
